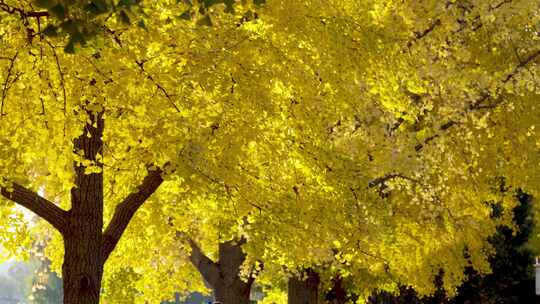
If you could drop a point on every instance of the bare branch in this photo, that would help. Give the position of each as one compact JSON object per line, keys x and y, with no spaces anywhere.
{"x":126,"y":210}
{"x":479,"y":103}
{"x":38,"y":14}
{"x":11,"y":9}
{"x":32,"y":201}
{"x":421,"y":34}
{"x":499,"y":5}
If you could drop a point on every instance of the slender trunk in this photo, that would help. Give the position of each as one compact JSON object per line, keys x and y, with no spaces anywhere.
{"x":224,"y":276}
{"x":304,"y":291}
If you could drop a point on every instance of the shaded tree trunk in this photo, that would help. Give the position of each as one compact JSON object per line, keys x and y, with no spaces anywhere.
{"x":338,"y":294}
{"x":224,"y":275}
{"x":304,"y":291}
{"x":81,"y":273}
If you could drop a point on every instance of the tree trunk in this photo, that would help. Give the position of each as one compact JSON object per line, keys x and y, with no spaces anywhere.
{"x":304,"y":291}
{"x":83,"y":266}
{"x":338,"y":294}
{"x":86,"y":245}
{"x":81,"y":272}
{"x":224,"y":276}
{"x":236,"y":293}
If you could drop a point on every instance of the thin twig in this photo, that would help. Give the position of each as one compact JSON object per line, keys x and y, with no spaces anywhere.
{"x":62,"y":82}
{"x":6,"y":83}
{"x":158,"y":85}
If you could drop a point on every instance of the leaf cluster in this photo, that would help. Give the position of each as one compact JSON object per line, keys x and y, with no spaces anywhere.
{"x":81,"y":21}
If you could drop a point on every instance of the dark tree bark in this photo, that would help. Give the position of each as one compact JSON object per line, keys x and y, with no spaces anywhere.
{"x":83,"y":266}
{"x":40,"y":206}
{"x":125,"y":211}
{"x":337,"y":294}
{"x":224,"y":276}
{"x":304,"y":291}
{"x":86,"y":246}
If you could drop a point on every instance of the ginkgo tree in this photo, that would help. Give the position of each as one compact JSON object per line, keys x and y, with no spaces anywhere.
{"x":463,"y":113}
{"x":398,"y":121}
{"x":327,"y":134}
{"x":463,"y":105}
{"x":97,"y":132}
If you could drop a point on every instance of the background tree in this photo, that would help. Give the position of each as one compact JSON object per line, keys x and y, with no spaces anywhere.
{"x":512,"y":265}
{"x":46,"y":286}
{"x":512,"y":278}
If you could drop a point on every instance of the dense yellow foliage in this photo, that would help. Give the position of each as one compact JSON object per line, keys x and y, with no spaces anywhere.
{"x":359,"y":136}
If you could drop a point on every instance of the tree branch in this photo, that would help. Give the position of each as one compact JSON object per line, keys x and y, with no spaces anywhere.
{"x":7,"y":84}
{"x":381,"y":180}
{"x":480,"y":102}
{"x":141,"y":63}
{"x":37,"y":204}
{"x":208,"y":268}
{"x":21,"y":12}
{"x":418,"y":35}
{"x":125,"y":211}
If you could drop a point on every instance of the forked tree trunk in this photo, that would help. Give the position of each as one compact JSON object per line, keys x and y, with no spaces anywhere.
{"x":305,"y":290}
{"x":224,"y":275}
{"x":86,"y":246}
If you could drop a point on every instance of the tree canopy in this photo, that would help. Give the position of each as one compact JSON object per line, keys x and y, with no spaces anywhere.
{"x":362,"y":136}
